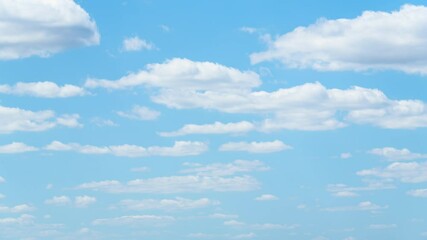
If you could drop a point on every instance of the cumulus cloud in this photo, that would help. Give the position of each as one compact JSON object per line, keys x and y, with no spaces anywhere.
{"x":84,"y":201}
{"x":167,"y":204}
{"x":140,"y":113}
{"x":394,"y":154}
{"x":214,"y":128}
{"x":179,"y":73}
{"x":23,"y":219}
{"x":134,"y":44}
{"x":218,"y":177}
{"x":79,"y":201}
{"x":16,"y":119}
{"x":374,"y":40}
{"x":266,"y":197}
{"x":255,"y":147}
{"x":58,"y":200}
{"x":135,"y":220}
{"x":180,"y":148}
{"x":408,"y":172}
{"x":17,"y":147}
{"x":41,"y":28}
{"x":16,"y":209}
{"x":42,"y":90}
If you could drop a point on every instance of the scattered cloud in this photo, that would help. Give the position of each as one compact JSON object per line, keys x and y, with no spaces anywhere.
{"x":374,"y":40}
{"x":266,"y":197}
{"x":140,"y":169}
{"x":135,"y":220}
{"x":16,"y":147}
{"x":394,"y":154}
{"x":42,"y":90}
{"x":103,"y":122}
{"x":16,"y":119}
{"x":408,"y":172}
{"x":224,"y":216}
{"x":418,"y":193}
{"x":42,"y":28}
{"x":255,"y":147}
{"x":16,"y":209}
{"x":84,"y":201}
{"x":225,"y":169}
{"x":140,"y":113}
{"x":343,"y":190}
{"x":272,"y":226}
{"x":167,"y":204}
{"x":249,"y":30}
{"x":2,"y":180}
{"x":135,"y":44}
{"x":215,"y":128}
{"x":58,"y":201}
{"x":23,"y":219}
{"x":180,"y":148}
{"x":362,"y":206}
{"x":345,"y":155}
{"x":79,"y":201}
{"x":233,"y":223}
{"x":245,"y":236}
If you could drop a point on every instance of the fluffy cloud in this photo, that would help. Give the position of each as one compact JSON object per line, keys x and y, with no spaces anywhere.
{"x":42,"y":89}
{"x":58,"y":200}
{"x":135,"y":220}
{"x":418,"y":193}
{"x":79,"y":201}
{"x":140,"y":113}
{"x":214,"y":128}
{"x":42,"y":28}
{"x":84,"y":201}
{"x":16,"y":209}
{"x":394,"y":154}
{"x":16,"y":119}
{"x":134,"y":44}
{"x":218,"y":177}
{"x":17,"y":147}
{"x":181,"y":73}
{"x":373,"y":40}
{"x":266,"y":197}
{"x":408,"y":172}
{"x":167,"y":204}
{"x":23,"y":219}
{"x":180,"y":148}
{"x":255,"y":147}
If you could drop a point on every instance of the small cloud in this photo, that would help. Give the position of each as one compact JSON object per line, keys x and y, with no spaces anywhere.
{"x":84,"y":201}
{"x":140,"y":113}
{"x":249,"y":30}
{"x":134,"y":44}
{"x":165,"y":28}
{"x":103,"y":122}
{"x":345,"y":155}
{"x":266,"y":197}
{"x":16,"y":147}
{"x":140,"y":169}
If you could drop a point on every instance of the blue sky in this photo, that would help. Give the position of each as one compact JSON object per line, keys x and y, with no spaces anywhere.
{"x":213,"y":120}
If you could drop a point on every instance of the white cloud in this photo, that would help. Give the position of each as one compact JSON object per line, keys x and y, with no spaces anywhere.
{"x":103,"y":122}
{"x":16,"y":209}
{"x":223,"y":216}
{"x":134,"y":44}
{"x":58,"y":200}
{"x":135,"y":220}
{"x":2,"y":180}
{"x":17,"y":147}
{"x":267,"y":197}
{"x":42,"y":90}
{"x":345,"y":155}
{"x":362,"y":206}
{"x":176,"y":184}
{"x":408,"y":172}
{"x":42,"y":28}
{"x":23,"y":219}
{"x":342,"y":190}
{"x":225,"y":169}
{"x":272,"y":226}
{"x":245,"y":236}
{"x":382,"y":226}
{"x":255,"y":147}
{"x":217,"y":177}
{"x":249,"y":30}
{"x":140,"y":169}
{"x":84,"y":201}
{"x":345,"y":194}
{"x":372,"y":41}
{"x":16,"y":119}
{"x":140,"y":113}
{"x":418,"y":193}
{"x":233,"y":223}
{"x":183,"y":74}
{"x":180,"y":148}
{"x":215,"y":128}
{"x":394,"y":154}
{"x":167,"y":204}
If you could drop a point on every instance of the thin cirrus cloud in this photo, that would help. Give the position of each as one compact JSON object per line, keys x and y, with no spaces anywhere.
{"x":16,"y":119}
{"x":180,"y":148}
{"x":42,"y":90}
{"x":255,"y":147}
{"x":394,"y":154}
{"x":42,"y":28}
{"x":167,"y":204}
{"x":217,"y":177}
{"x":374,"y":40}
{"x":140,"y":113}
{"x":214,"y":128}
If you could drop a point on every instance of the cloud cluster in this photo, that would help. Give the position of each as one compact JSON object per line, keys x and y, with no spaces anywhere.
{"x":372,"y":41}
{"x":408,"y":172}
{"x":42,"y":28}
{"x":394,"y":154}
